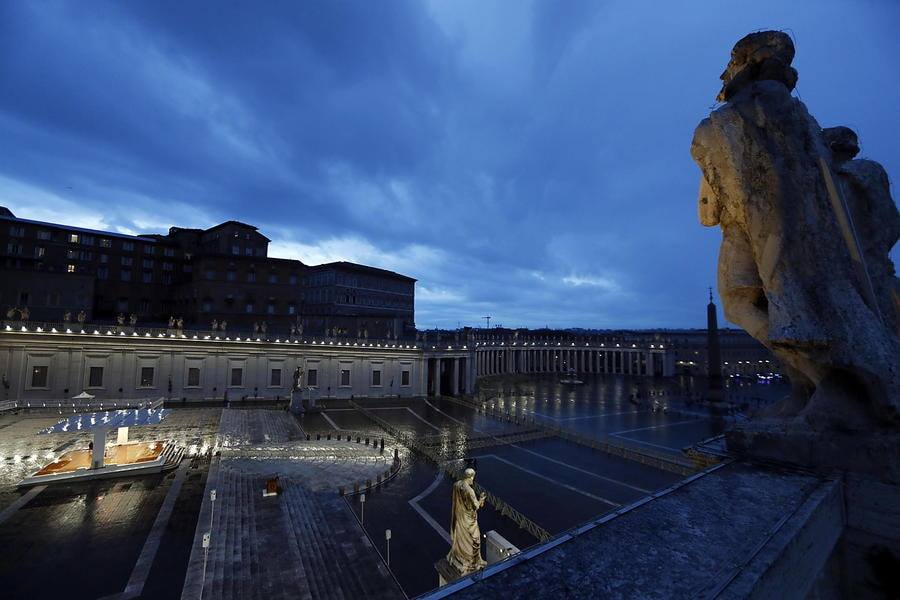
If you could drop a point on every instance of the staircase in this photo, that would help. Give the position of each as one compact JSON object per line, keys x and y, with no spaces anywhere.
{"x":172,"y":455}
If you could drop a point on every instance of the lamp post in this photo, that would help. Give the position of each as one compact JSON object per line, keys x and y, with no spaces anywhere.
{"x":362,"y":509}
{"x":387,"y":538}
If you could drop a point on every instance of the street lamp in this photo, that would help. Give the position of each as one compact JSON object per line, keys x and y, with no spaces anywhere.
{"x":387,"y":537}
{"x":362,"y":509}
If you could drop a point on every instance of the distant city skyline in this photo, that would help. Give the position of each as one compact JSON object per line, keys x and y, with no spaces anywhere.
{"x":527,"y":161}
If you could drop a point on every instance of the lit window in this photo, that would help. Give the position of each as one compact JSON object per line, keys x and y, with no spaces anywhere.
{"x":249,"y":307}
{"x":73,"y":238}
{"x":105,"y":243}
{"x":128,"y":246}
{"x":70,"y":268}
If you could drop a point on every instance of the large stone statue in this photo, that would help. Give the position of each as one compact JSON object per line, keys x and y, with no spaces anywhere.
{"x":793,"y":270}
{"x":465,"y":536}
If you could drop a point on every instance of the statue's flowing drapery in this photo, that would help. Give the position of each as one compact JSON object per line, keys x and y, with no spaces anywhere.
{"x":465,"y":550}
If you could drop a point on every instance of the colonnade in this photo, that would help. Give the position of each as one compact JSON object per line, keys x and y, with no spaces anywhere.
{"x":491,"y":360}
{"x":450,"y":375}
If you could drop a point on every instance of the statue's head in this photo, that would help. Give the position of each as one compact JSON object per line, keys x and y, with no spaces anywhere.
{"x":764,"y":55}
{"x":469,"y":474}
{"x":842,"y":141}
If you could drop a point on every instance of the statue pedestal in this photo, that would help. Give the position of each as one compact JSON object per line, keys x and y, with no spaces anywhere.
{"x":446,"y":572}
{"x":873,"y":454}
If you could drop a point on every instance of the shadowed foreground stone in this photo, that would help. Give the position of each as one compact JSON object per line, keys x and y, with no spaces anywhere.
{"x":719,"y":532}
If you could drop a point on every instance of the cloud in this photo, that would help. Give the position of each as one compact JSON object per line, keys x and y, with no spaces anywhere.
{"x":526,"y":161}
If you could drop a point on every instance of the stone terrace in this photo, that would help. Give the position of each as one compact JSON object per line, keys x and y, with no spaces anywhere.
{"x":303,"y":543}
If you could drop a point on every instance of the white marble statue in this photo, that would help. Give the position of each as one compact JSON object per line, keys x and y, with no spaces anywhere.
{"x":465,"y":536}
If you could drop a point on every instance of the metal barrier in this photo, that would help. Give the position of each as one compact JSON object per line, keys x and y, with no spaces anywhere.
{"x":501,"y":506}
{"x":617,"y":448}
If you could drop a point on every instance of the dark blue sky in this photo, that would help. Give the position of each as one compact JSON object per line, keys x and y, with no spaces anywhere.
{"x":527,"y":160}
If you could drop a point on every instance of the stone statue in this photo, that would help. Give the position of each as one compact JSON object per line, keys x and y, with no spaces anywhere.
{"x":132,"y":320}
{"x":11,"y":313}
{"x":298,"y":378}
{"x":866,"y":188}
{"x":81,"y":317}
{"x":789,"y":266}
{"x":465,"y":536}
{"x":224,"y":324}
{"x":171,"y":322}
{"x":120,"y":319}
{"x":67,"y":316}
{"x":179,"y":323}
{"x":24,"y":313}
{"x":300,"y":329}
{"x":215,"y":324}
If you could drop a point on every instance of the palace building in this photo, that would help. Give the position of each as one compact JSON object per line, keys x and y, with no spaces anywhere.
{"x":222,"y":273}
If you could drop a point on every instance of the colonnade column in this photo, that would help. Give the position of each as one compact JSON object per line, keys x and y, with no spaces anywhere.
{"x":437,"y":376}
{"x":454,"y":388}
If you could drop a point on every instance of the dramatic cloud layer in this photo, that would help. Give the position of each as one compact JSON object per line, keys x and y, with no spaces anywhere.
{"x":526,"y":160}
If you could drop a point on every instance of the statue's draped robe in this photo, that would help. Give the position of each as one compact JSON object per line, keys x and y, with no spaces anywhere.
{"x":465,"y":536}
{"x":784,"y":272}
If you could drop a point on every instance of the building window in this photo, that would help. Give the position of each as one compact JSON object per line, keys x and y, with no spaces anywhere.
{"x":127,"y":261}
{"x":273,"y":278}
{"x":248,"y":251}
{"x":146,"y":376}
{"x":312,"y":377}
{"x":193,"y":378}
{"x":231,"y":275}
{"x":251,"y":276}
{"x":95,"y":379}
{"x":73,"y":238}
{"x":16,"y":231}
{"x":128,"y":246}
{"x":167,"y":266}
{"x":147,"y":277}
{"x":237,"y":377}
{"x":148,"y":249}
{"x":44,"y":235}
{"x":249,"y":307}
{"x":404,"y":377}
{"x":144,"y":306}
{"x":167,"y":278}
{"x":210,"y":274}
{"x":105,"y":243}
{"x":187,"y":268}
{"x":102,"y":273}
{"x":270,"y":309}
{"x":125,"y":275}
{"x":236,"y":250}
{"x":39,"y":251}
{"x":168,"y":251}
{"x":206,"y":306}
{"x":39,"y":376}
{"x":275,"y":380}
{"x":376,"y":377}
{"x":104,"y":258}
{"x":292,"y":309}
{"x":292,"y":279}
{"x":87,"y":240}
{"x":147,"y":263}
{"x":345,"y":377}
{"x":13,"y":248}
{"x":70,"y":268}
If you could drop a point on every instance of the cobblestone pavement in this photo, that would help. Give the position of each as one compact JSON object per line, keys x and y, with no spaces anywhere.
{"x":302,"y":543}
